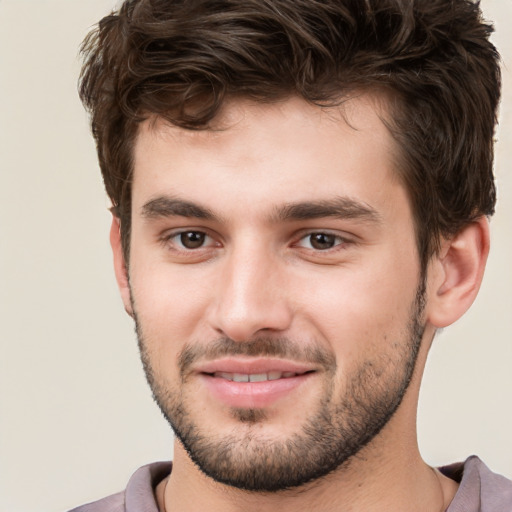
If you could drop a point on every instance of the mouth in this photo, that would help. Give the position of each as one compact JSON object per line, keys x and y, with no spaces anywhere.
{"x":256,"y":377}
{"x":253,"y":384}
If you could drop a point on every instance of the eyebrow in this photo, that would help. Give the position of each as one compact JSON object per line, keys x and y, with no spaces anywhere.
{"x":339,"y":207}
{"x":163,"y":206}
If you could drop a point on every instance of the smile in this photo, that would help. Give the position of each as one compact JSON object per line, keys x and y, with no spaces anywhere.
{"x":254,"y":388}
{"x":254,"y":377}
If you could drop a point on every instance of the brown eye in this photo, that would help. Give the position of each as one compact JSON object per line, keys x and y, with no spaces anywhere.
{"x":192,"y":239}
{"x":322,"y":241}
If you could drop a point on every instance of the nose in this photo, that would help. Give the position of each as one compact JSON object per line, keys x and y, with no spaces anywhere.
{"x":251,"y":296}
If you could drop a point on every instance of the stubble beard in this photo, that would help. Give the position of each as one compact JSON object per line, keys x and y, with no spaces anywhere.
{"x":333,"y":433}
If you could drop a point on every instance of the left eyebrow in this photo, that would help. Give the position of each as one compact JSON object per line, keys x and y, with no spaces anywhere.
{"x":340,"y":207}
{"x":164,"y":206}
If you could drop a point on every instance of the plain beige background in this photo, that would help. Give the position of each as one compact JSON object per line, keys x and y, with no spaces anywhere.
{"x":76,"y":417}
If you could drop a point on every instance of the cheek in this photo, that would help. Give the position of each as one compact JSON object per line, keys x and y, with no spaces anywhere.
{"x":354,"y":308}
{"x":170,"y":309}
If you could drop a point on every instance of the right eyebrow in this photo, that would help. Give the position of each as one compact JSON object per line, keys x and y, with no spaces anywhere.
{"x":165,"y":206}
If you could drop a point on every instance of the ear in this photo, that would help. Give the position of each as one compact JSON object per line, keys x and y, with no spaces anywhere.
{"x":120,"y":264}
{"x":457,"y":273}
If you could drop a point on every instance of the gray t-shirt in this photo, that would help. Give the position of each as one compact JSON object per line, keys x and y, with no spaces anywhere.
{"x":480,"y":490}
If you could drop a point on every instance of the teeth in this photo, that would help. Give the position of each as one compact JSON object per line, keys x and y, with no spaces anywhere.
{"x":254,"y":377}
{"x":258,"y":377}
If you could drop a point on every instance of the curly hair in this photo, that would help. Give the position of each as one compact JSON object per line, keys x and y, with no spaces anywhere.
{"x":181,"y":59}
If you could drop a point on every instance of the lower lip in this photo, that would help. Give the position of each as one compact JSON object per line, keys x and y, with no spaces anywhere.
{"x":252,"y":395}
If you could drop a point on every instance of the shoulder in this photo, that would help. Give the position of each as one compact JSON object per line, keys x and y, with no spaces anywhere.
{"x":480,"y":489}
{"x":138,"y":495}
{"x":113,"y":503}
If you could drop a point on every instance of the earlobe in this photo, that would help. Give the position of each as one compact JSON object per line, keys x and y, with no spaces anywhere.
{"x":457,"y":273}
{"x":120,"y":264}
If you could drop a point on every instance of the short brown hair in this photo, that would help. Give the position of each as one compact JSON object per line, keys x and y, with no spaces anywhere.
{"x":180,"y":59}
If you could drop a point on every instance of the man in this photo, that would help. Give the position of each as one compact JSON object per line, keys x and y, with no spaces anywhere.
{"x":301,"y":193}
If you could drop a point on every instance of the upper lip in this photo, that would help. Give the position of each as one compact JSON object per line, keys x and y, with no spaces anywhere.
{"x":251,"y":366}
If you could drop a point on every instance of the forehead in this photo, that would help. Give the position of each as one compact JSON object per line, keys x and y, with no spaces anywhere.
{"x":269,"y":153}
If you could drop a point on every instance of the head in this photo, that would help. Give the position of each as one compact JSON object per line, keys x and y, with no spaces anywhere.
{"x":395,"y":103}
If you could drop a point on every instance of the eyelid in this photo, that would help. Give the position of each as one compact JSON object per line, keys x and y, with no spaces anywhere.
{"x":213,"y":240}
{"x":169,"y":237}
{"x":330,"y":232}
{"x":342,"y":240}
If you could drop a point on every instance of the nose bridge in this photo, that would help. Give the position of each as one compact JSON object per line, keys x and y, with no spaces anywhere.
{"x":250,"y":296}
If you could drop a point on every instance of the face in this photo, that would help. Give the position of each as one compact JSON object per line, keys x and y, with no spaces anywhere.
{"x":276,"y":287}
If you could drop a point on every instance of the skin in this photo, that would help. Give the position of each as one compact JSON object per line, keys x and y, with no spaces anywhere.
{"x":257,"y":274}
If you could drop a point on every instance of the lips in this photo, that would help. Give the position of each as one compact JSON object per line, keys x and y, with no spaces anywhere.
{"x":253,"y":383}
{"x":254,"y":366}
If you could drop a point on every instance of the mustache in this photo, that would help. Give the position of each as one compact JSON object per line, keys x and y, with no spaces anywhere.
{"x":260,"y":347}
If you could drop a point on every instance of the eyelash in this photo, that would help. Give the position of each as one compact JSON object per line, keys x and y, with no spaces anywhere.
{"x":176,"y":240}
{"x":337,"y":240}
